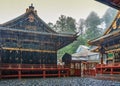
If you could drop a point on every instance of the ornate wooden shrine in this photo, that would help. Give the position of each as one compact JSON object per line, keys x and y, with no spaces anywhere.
{"x":73,"y":64}
{"x":28,"y":47}
{"x":109,"y":43}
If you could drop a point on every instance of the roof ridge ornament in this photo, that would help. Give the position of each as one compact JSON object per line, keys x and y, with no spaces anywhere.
{"x":31,"y":8}
{"x":32,"y":4}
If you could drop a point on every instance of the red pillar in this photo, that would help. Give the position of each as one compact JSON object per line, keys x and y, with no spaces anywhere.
{"x":58,"y":73}
{"x":19,"y":74}
{"x":96,"y":71}
{"x":101,"y":71}
{"x":67,"y":73}
{"x":111,"y":71}
{"x":44,"y":73}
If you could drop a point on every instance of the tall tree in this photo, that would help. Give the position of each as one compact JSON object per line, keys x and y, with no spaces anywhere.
{"x":71,"y":24}
{"x":92,"y":23}
{"x":53,"y":27}
{"x":66,"y":24}
{"x":109,"y":16}
{"x":61,"y":23}
{"x":81,"y":26}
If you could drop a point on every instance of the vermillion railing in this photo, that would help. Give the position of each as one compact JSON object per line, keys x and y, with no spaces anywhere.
{"x":113,"y":68}
{"x":108,"y":65}
{"x":27,"y":70}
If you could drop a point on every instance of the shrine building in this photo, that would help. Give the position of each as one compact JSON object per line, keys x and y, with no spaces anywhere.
{"x":109,"y":43}
{"x":28,"y":46}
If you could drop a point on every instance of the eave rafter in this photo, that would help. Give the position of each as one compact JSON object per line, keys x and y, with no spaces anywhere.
{"x":113,"y":3}
{"x":30,"y":50}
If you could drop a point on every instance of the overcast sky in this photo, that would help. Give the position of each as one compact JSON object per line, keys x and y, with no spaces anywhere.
{"x":50,"y":10}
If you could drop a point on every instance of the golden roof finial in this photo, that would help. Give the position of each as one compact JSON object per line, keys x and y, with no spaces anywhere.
{"x":31,"y":8}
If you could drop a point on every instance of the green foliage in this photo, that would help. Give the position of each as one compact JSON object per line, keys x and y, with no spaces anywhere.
{"x":61,"y":23}
{"x":108,"y":17}
{"x":88,"y":29}
{"x":92,"y":22}
{"x":81,"y":26}
{"x":66,"y":24}
{"x":71,"y":27}
{"x":81,"y":40}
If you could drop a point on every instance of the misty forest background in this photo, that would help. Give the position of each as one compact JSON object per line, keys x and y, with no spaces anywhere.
{"x":87,"y":29}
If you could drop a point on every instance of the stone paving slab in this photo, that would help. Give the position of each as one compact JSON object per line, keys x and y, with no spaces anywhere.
{"x":68,"y":81}
{"x":113,"y":77}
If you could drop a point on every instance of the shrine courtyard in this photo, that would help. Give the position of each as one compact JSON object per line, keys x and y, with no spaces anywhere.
{"x":65,"y":81}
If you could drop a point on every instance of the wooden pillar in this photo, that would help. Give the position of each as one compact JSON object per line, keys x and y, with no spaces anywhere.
{"x":19,"y":74}
{"x":44,"y":73}
{"x":94,"y":74}
{"x":101,"y":71}
{"x":80,"y":68}
{"x":96,"y":71}
{"x":102,"y":58}
{"x":67,"y":73}
{"x":58,"y":73}
{"x":86,"y":70}
{"x":111,"y":70}
{"x":74,"y":65}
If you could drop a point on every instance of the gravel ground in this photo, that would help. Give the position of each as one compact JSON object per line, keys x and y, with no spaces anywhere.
{"x":69,"y":81}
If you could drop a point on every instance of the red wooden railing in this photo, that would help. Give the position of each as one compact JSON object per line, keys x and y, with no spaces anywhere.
{"x":108,"y":65}
{"x":103,"y":68}
{"x":22,"y":68}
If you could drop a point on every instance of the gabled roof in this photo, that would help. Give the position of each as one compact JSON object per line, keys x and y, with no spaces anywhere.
{"x":29,"y":21}
{"x":115,"y":25}
{"x":113,"y":3}
{"x":81,"y":48}
{"x":37,"y":31}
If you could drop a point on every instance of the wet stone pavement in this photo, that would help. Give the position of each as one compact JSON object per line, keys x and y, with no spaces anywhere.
{"x":69,"y":81}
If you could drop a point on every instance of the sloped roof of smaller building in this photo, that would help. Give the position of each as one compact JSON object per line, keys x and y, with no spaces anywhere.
{"x":79,"y":59}
{"x":81,"y":48}
{"x":84,"y":52}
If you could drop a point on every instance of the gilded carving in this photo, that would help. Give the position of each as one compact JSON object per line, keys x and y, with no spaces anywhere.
{"x":28,"y":27}
{"x":31,"y":18}
{"x":114,"y":25}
